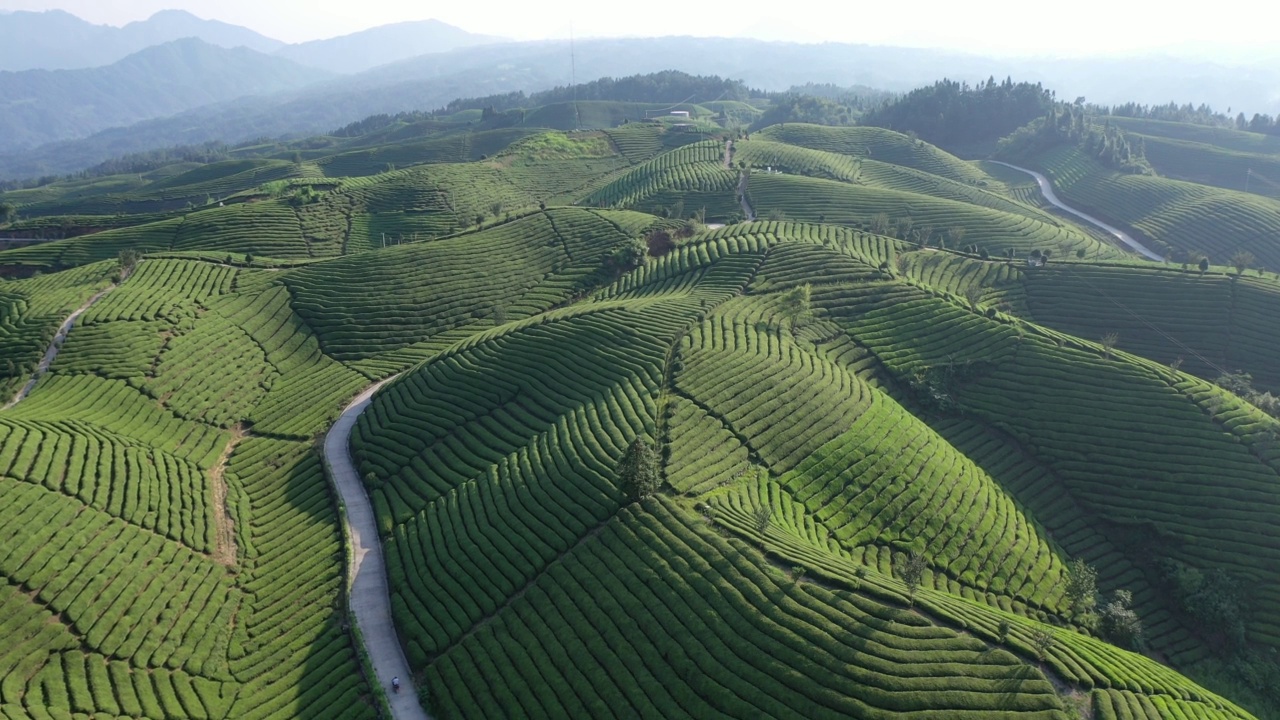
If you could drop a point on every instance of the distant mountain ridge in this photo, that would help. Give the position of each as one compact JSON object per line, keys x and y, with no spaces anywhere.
{"x":430,"y":81}
{"x":368,"y":49}
{"x":43,"y":106}
{"x":58,"y":40}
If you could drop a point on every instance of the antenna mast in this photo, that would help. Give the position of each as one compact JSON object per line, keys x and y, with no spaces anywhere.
{"x":573,"y":80}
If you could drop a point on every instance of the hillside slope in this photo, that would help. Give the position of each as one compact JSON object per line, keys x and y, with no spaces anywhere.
{"x":41,"y":106}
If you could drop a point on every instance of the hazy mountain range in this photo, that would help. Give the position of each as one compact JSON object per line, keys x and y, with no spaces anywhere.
{"x":199,"y":90}
{"x":58,"y":40}
{"x":42,"y":106}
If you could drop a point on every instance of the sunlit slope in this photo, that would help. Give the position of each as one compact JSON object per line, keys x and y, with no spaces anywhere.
{"x":930,"y":218}
{"x":493,"y":468}
{"x":1090,"y":419}
{"x":877,"y":144}
{"x":378,"y":302}
{"x":162,"y":564}
{"x":268,"y":215}
{"x":30,"y":313}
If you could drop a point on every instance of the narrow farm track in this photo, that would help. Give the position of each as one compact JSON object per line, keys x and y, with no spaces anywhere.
{"x":55,"y":346}
{"x":1046,"y":189}
{"x":367,"y":589}
{"x":747,"y":210}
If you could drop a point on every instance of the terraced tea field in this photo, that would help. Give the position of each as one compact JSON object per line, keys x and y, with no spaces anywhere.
{"x":1177,"y":218}
{"x":841,"y":462}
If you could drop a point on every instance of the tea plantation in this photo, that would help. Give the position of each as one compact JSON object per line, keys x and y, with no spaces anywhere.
{"x":816,"y":422}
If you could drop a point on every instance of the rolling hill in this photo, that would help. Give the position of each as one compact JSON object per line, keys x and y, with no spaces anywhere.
{"x":853,"y":458}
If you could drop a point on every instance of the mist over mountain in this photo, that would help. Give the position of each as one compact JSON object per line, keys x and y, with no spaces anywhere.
{"x":43,"y":106}
{"x":58,"y":40}
{"x":381,"y":45}
{"x":449,"y":63}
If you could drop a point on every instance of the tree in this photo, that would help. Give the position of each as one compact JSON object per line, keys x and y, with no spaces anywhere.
{"x":1119,"y":623}
{"x":1204,"y":265}
{"x":638,"y":471}
{"x":880,"y":223}
{"x":902,"y":263}
{"x":128,"y":258}
{"x":956,"y":235}
{"x":796,"y":303}
{"x":499,"y":315}
{"x":974,"y":294}
{"x":629,"y":256}
{"x":912,"y":573}
{"x":8,"y":211}
{"x":1043,"y":641}
{"x":1082,"y":586}
{"x":1242,"y":260}
{"x":1108,"y":343}
{"x":761,"y":518}
{"x":1080,"y":254}
{"x":495,"y":209}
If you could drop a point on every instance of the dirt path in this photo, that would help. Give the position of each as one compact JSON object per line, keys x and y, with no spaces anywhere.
{"x":224,"y":551}
{"x":1046,"y":189}
{"x":742,"y":196}
{"x":367,"y":587}
{"x":728,"y":154}
{"x":55,"y":346}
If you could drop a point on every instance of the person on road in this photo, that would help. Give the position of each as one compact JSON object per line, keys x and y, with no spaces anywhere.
{"x":395,"y":684}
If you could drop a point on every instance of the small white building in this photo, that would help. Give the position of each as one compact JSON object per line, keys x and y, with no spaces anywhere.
{"x":681,"y":114}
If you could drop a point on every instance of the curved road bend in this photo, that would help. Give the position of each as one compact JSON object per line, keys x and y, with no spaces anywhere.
{"x":55,"y":346}
{"x":367,"y":589}
{"x":1046,"y":189}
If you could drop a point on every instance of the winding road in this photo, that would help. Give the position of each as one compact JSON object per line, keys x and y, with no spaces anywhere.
{"x":369,"y":595}
{"x":55,"y":346}
{"x":1046,"y":189}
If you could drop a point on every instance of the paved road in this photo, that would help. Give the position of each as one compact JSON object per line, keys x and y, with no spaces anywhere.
{"x":1046,"y":188}
{"x":368,"y":592}
{"x":54,"y":347}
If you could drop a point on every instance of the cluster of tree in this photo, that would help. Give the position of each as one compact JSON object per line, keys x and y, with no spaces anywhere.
{"x":950,"y":113}
{"x":1072,"y":124}
{"x":1259,"y":123}
{"x":1213,"y":600}
{"x":668,"y":86}
{"x":860,"y":97}
{"x":374,"y":123}
{"x":808,"y":109}
{"x":1198,"y":114}
{"x":1241,"y":383}
{"x":1114,"y":619}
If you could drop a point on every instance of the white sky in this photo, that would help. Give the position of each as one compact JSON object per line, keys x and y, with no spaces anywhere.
{"x":1021,"y":27}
